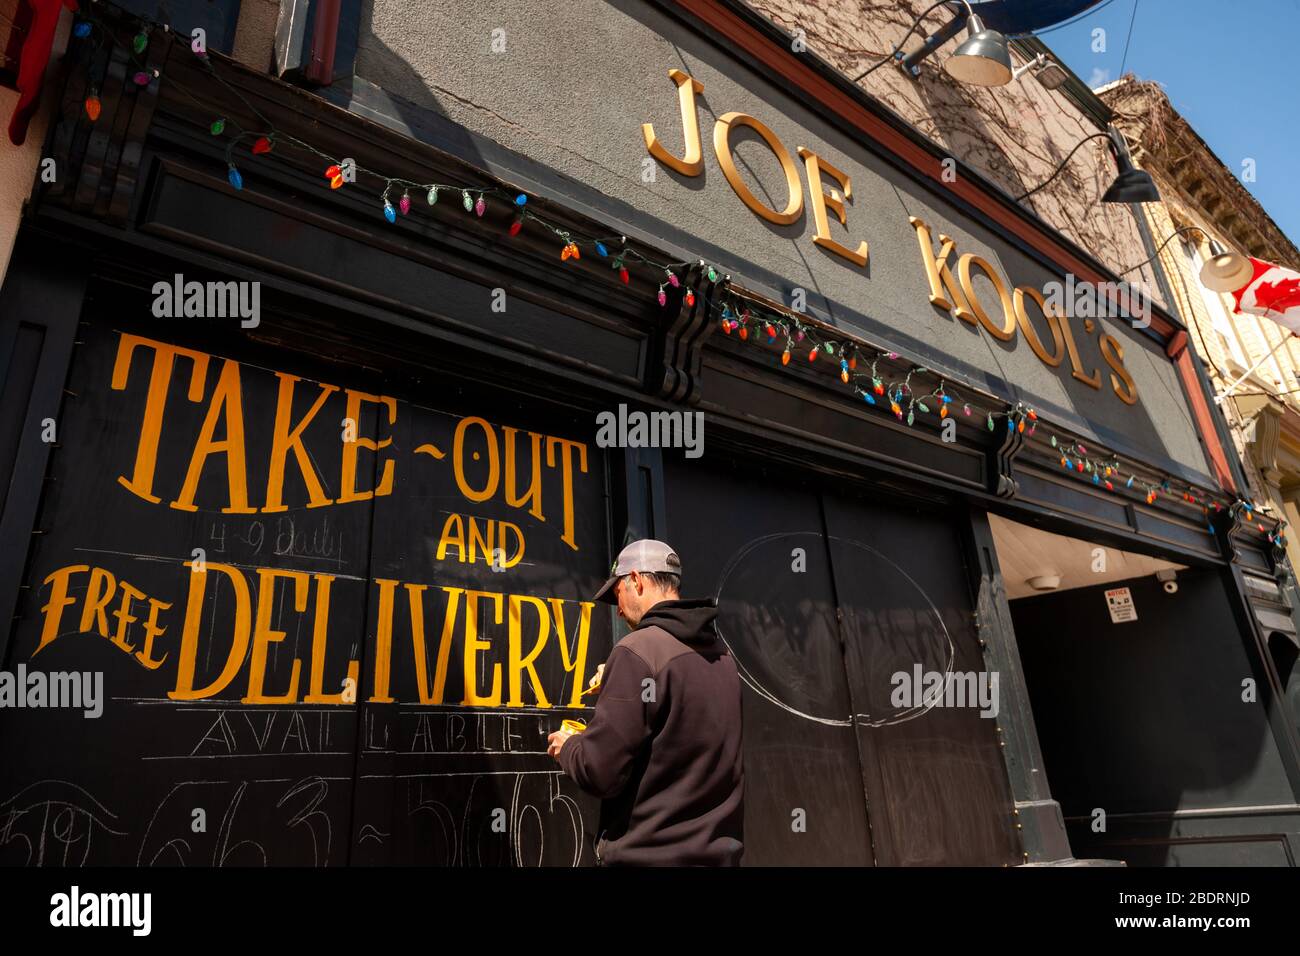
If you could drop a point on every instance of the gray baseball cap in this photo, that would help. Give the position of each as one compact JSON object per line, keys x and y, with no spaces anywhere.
{"x":643,"y":555}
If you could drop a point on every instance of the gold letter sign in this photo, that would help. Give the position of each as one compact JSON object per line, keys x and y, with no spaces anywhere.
{"x":692,"y":164}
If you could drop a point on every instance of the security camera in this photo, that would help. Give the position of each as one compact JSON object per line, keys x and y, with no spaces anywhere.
{"x":1168,"y":576}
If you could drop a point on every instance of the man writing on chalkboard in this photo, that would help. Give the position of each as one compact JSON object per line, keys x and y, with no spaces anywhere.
{"x":663,"y":749}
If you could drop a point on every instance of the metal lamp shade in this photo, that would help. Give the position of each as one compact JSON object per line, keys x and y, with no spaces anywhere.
{"x":983,"y":58}
{"x":1226,"y":271}
{"x":1132,"y":185}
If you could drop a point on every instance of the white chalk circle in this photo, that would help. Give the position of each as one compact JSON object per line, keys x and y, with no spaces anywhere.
{"x":799,"y":642}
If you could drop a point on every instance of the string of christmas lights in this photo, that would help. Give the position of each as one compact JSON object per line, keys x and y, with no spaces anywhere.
{"x":735,"y":313}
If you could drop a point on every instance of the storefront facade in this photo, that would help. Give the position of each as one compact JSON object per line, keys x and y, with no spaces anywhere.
{"x":333,"y":552}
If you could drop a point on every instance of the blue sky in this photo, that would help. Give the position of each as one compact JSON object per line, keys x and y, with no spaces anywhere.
{"x":1230,"y":67}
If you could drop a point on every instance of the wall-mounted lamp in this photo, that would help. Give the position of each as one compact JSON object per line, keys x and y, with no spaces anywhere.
{"x":1224,"y":271}
{"x":1131,"y":184}
{"x":982,"y":59}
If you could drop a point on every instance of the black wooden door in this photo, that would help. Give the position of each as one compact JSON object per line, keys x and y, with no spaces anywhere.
{"x":761,"y":551}
{"x":937,"y":783}
{"x":822,"y":602}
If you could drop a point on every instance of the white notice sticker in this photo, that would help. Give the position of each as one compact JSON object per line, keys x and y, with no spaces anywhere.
{"x":1119,"y":601}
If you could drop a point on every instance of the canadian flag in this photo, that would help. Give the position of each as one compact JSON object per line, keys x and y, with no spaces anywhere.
{"x":1273,"y":292}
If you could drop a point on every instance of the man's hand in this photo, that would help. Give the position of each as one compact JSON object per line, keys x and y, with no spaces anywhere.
{"x":555,"y":742}
{"x":595,"y":680}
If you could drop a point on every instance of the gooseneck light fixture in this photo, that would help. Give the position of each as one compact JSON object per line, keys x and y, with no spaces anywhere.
{"x":982,"y":59}
{"x":1131,"y":184}
{"x":1224,"y":271}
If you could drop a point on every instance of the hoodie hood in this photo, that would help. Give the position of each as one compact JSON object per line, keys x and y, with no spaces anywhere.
{"x":690,"y":621}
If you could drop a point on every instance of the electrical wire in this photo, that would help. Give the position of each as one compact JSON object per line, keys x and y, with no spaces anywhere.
{"x":1060,"y":167}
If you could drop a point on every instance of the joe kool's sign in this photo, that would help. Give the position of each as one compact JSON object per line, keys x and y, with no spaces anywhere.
{"x":950,"y":274}
{"x":230,"y":521}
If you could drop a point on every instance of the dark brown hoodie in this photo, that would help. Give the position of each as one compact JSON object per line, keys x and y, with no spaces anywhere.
{"x":663,"y":750}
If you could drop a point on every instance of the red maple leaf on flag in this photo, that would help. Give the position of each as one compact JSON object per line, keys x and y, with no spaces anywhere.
{"x":1279,"y":296}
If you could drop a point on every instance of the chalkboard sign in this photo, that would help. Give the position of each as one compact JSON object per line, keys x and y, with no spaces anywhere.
{"x":330,"y":625}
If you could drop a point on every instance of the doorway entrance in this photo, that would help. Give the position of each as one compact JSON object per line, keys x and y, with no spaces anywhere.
{"x":1143,"y":697}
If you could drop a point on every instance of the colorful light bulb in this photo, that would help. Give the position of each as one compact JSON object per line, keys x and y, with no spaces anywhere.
{"x":672,"y":278}
{"x":141,"y":78}
{"x":236,"y":180}
{"x":432,"y":197}
{"x":480,"y":206}
{"x":262,"y":145}
{"x":218,"y":126}
{"x":623,"y":274}
{"x":389,"y":212}
{"x":82,"y":29}
{"x":662,"y":296}
{"x":521,"y":199}
{"x":404,"y":203}
{"x":466,"y":200}
{"x":690,"y":298}
{"x":93,"y":107}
